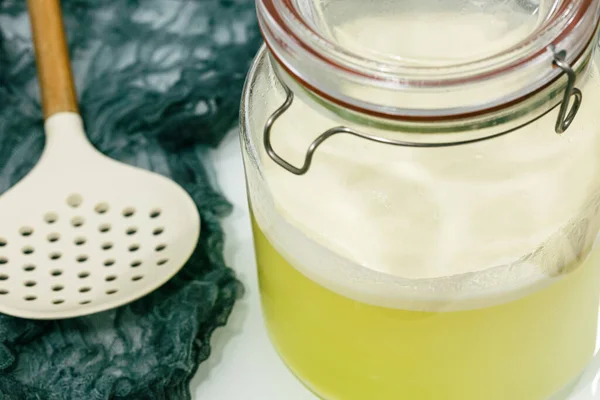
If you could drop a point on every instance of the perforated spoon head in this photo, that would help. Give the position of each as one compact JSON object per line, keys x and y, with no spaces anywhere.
{"x":83,"y":233}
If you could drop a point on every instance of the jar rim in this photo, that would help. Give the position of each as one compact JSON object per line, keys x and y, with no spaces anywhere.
{"x":305,"y":54}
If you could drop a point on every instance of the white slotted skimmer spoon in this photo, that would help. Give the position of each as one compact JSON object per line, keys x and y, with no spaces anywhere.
{"x":82,"y":233}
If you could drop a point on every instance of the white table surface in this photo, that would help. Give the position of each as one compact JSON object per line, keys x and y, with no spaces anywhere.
{"x":243,"y":364}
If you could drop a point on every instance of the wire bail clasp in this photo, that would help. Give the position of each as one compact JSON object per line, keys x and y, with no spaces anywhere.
{"x":565,"y":117}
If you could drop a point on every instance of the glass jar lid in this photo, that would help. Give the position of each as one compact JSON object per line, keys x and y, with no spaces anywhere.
{"x":427,"y":59}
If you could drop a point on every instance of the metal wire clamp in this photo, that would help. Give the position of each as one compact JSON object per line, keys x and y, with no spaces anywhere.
{"x":565,"y":117}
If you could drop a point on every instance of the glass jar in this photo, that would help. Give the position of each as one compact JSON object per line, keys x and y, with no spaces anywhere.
{"x":424,"y":183}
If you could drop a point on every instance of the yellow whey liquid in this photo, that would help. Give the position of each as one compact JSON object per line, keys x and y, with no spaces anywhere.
{"x":346,"y":350}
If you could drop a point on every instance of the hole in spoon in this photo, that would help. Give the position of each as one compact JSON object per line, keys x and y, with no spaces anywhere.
{"x":77,"y":222}
{"x":3,"y":260}
{"x":109,"y":262}
{"x":27,"y":250}
{"x":56,"y":272}
{"x":104,"y":228}
{"x":29,"y":268}
{"x":158,"y":231}
{"x":30,"y":298}
{"x":3,"y":242}
{"x":155,"y":213}
{"x":101,"y":208}
{"x":53,"y":237}
{"x":128,"y":212}
{"x":79,"y":241}
{"x":26,"y":231}
{"x":58,"y":301}
{"x":51,"y":217}
{"x":74,"y":200}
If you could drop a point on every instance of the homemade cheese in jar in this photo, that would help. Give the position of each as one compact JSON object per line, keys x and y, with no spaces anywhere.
{"x":424,"y":180}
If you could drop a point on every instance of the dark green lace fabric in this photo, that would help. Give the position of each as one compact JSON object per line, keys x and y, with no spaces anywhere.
{"x":159,"y":84}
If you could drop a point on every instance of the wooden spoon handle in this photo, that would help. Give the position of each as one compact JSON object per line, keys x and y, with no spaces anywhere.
{"x":52,"y":57}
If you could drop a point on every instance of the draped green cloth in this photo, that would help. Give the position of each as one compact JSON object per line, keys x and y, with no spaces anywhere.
{"x":159,"y":85}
